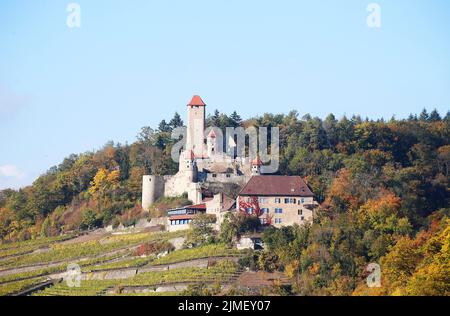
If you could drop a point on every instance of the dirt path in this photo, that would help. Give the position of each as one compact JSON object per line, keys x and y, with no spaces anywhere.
{"x":259,"y":279}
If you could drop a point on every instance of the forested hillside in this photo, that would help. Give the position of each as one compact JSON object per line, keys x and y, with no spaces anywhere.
{"x":383,"y":188}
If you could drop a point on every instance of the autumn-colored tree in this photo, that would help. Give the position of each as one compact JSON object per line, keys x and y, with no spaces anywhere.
{"x":400,"y":263}
{"x":104,"y":182}
{"x":342,"y":194}
{"x":432,"y":276}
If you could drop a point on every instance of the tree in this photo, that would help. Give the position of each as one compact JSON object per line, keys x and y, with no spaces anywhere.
{"x":164,"y":127}
{"x":236,"y":120}
{"x":104,"y":183}
{"x":201,"y":230}
{"x":432,"y":278}
{"x":235,"y":225}
{"x":447,"y":117}
{"x":229,"y":229}
{"x":176,"y":121}
{"x":400,"y":263}
{"x":89,"y":220}
{"x":330,"y":127}
{"x":424,"y":115}
{"x":146,"y":136}
{"x":434,"y":116}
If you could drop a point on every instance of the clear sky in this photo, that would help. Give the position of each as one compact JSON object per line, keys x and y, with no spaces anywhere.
{"x":133,"y":63}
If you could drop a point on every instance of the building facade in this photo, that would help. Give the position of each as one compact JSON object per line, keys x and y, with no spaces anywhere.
{"x":280,"y":200}
{"x":218,"y":205}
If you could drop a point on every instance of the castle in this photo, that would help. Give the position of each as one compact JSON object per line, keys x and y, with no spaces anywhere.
{"x":277,"y":200}
{"x":202,"y":162}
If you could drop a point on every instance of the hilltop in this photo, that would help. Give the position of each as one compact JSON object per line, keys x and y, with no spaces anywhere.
{"x":383,"y":187}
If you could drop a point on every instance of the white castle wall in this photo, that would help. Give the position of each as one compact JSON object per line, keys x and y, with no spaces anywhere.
{"x":152,"y":189}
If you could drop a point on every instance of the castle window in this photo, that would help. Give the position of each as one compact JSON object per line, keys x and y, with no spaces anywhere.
{"x":249,"y":210}
{"x":228,"y":176}
{"x":214,"y":175}
{"x":302,"y":218}
{"x":277,"y":220}
{"x":300,"y":212}
{"x":278,"y":210}
{"x":290,"y":200}
{"x":265,"y":210}
{"x":277,"y":200}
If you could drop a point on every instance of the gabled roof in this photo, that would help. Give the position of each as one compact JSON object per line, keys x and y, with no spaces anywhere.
{"x":201,"y":206}
{"x":211,"y":134}
{"x":276,"y":186}
{"x":228,"y":203}
{"x":196,"y":101}
{"x":257,"y":162}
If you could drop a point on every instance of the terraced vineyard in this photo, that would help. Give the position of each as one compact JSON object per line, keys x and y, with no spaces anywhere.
{"x":69,"y":252}
{"x":25,"y":265}
{"x":214,"y":250}
{"x":20,"y":248}
{"x":222,"y":272}
{"x":15,"y":287}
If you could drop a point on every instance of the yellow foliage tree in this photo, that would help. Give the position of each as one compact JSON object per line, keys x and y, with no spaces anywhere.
{"x":102,"y":183}
{"x":433,"y":276}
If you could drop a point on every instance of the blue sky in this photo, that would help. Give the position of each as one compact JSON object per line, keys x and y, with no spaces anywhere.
{"x":133,"y":63}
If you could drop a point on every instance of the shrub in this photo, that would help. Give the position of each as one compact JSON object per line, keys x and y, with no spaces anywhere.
{"x":89,"y":220}
{"x":154,"y":247}
{"x":249,"y":261}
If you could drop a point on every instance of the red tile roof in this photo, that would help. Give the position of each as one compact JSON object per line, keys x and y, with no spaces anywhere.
{"x":201,"y":206}
{"x":276,"y":186}
{"x":185,"y":216}
{"x":196,"y":101}
{"x":212,"y":134}
{"x":257,"y":161}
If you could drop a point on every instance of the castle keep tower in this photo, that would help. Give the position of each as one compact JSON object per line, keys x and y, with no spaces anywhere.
{"x":211,"y":144}
{"x":196,"y":126}
{"x":189,"y":168}
{"x":256,"y":166}
{"x":199,"y":163}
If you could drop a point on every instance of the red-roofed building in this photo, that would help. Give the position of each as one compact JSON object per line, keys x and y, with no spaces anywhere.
{"x":218,"y":205}
{"x":212,"y":134}
{"x":196,"y":101}
{"x":179,"y":218}
{"x":196,"y":126}
{"x":286,"y":200}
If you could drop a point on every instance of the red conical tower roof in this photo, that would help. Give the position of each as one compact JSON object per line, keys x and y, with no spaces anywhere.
{"x":212,"y":134}
{"x":257,"y":162}
{"x":196,"y":101}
